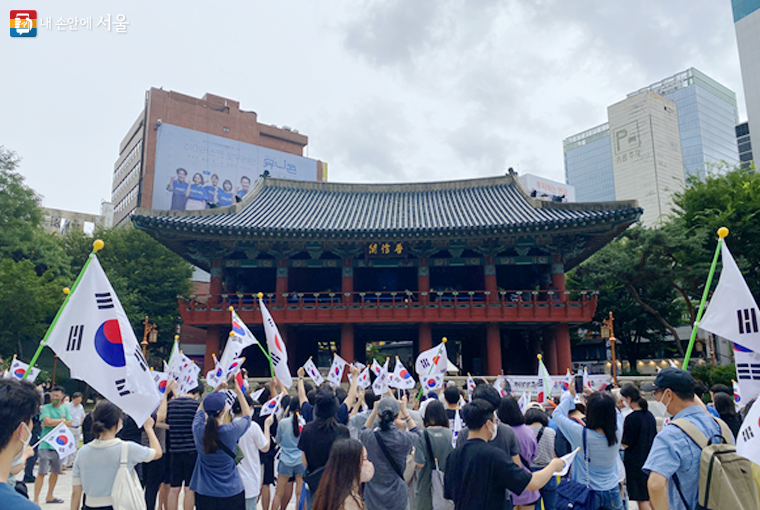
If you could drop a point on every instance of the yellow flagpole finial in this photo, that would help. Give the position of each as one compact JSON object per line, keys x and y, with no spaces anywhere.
{"x":733,"y":380}
{"x":97,"y":245}
{"x":539,"y":356}
{"x":151,"y":369}
{"x":14,"y":356}
{"x":722,"y":232}
{"x":468,"y":374}
{"x":66,"y":290}
{"x":231,"y":309}
{"x":176,"y":337}
{"x":232,"y":333}
{"x":396,"y":357}
{"x":444,"y":340}
{"x":260,"y":295}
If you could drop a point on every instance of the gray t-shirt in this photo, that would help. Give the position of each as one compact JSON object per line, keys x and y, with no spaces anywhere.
{"x":97,"y":462}
{"x":506,"y":439}
{"x":387,"y":490}
{"x":440,"y":442}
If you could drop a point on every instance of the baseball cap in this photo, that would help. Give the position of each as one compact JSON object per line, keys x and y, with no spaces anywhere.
{"x":675,"y":379}
{"x":214,"y":402}
{"x":387,"y":404}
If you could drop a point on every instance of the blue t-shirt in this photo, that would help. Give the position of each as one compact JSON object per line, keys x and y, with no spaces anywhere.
{"x":197,"y":193}
{"x":210,"y":193}
{"x":712,"y":411}
{"x":241,"y":193}
{"x":224,"y":197}
{"x":178,"y":195}
{"x":673,"y":452}
{"x":290,"y":455}
{"x":12,"y":500}
{"x":215,"y":475}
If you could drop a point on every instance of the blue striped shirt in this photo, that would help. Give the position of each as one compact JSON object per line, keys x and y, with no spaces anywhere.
{"x":673,"y":452}
{"x":603,"y":467}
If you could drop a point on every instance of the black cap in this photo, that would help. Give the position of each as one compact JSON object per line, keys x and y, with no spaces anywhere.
{"x":676,"y":379}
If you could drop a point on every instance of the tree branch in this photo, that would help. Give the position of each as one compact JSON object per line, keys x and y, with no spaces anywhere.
{"x":656,"y":315}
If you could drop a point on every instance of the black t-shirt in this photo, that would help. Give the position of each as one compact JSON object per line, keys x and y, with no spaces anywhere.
{"x":316,"y":440}
{"x":639,"y":430}
{"x":180,"y":413}
{"x":478,"y":475}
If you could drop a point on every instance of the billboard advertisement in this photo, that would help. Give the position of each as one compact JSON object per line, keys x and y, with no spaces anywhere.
{"x":196,"y":170}
{"x":541,"y":187}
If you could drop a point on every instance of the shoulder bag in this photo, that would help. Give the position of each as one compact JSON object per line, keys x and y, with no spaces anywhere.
{"x":436,"y":480}
{"x":571,"y":494}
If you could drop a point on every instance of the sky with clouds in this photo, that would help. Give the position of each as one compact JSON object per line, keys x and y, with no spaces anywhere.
{"x":387,"y":91}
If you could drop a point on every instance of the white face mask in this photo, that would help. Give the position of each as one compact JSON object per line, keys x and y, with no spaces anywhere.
{"x":662,"y":399}
{"x":17,"y":459}
{"x":368,"y":471}
{"x":495,"y":431}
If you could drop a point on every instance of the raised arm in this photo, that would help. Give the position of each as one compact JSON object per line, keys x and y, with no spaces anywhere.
{"x":301,"y":389}
{"x":351,"y":397}
{"x":244,"y":407}
{"x":267,"y":435}
{"x":161,"y":413}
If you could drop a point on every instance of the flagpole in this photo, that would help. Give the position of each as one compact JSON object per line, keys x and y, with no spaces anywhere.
{"x":97,"y":245}
{"x":443,"y":341}
{"x":269,"y":356}
{"x":722,"y":233}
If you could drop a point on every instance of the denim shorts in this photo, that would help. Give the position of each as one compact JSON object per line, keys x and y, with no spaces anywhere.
{"x":289,"y":471}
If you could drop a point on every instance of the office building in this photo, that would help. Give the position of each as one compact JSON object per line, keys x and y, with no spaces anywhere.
{"x":180,"y":146}
{"x":588,"y":164}
{"x":744,"y":144}
{"x":646,"y":153}
{"x":747,"y":25}
{"x":59,"y":221}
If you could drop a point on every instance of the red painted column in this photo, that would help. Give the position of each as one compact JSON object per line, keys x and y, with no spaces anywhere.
{"x":493,"y":344}
{"x":425,"y":338}
{"x":281,"y":284}
{"x":212,"y":347}
{"x":558,"y":274}
{"x":489,"y":273}
{"x":550,"y":350}
{"x":564,"y":353}
{"x":347,"y":280}
{"x":215,"y":284}
{"x":423,"y":275}
{"x":347,"y":342}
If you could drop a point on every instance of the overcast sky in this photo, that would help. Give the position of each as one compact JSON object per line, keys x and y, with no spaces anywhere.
{"x":387,"y":91}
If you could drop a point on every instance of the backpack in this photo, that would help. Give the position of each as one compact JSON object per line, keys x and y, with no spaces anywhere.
{"x":127,"y":493}
{"x":725,"y":478}
{"x":436,"y":480}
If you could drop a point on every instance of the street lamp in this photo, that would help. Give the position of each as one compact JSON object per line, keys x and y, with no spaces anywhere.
{"x":608,"y":331}
{"x":150,"y":334}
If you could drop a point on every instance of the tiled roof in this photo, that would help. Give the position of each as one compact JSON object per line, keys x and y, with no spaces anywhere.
{"x":278,"y":206}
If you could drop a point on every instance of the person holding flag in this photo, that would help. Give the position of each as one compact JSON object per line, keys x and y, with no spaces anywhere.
{"x":97,"y":462}
{"x":277,"y":352}
{"x":52,"y":415}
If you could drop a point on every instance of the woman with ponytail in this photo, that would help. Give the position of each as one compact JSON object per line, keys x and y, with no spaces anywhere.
{"x":98,"y":461}
{"x":639,"y":430}
{"x":290,"y":465}
{"x":216,"y":480}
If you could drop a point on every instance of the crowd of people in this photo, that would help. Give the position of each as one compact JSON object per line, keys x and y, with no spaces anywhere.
{"x":345,"y":450}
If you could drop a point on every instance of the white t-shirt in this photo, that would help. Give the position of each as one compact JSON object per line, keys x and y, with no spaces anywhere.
{"x":77,"y":414}
{"x":250,"y":467}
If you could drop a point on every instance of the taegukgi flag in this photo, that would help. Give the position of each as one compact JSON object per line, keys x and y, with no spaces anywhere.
{"x":431,"y":382}
{"x":18,"y":368}
{"x":380,"y":386}
{"x":732,"y":312}
{"x":271,"y":405}
{"x":364,"y":380}
{"x":470,"y":387}
{"x":240,"y":338}
{"x":335,"y":375}
{"x":432,"y":361}
{"x":747,"y":375}
{"x":545,"y":393}
{"x":748,"y":440}
{"x":456,"y":428}
{"x":94,"y":338}
{"x":499,"y":385}
{"x":61,"y":440}
{"x":161,"y":379}
{"x":569,"y":379}
{"x":401,"y":378}
{"x":276,"y":347}
{"x":313,"y":372}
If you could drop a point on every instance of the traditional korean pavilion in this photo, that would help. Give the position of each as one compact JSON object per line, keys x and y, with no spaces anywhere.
{"x":355,"y":265}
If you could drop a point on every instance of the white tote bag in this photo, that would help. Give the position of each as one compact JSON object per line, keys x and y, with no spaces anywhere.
{"x":127,"y":493}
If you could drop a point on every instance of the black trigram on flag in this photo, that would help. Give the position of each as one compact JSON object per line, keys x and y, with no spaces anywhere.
{"x":75,"y":338}
{"x":140,"y":360}
{"x":748,"y":371}
{"x":275,"y":359}
{"x":747,"y":320}
{"x":121,"y":386}
{"x":104,"y":300}
{"x":425,"y":363}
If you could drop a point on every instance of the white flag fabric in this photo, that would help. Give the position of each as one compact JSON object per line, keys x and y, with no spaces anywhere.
{"x":175,"y":360}
{"x":470,"y":387}
{"x":18,"y":368}
{"x":748,"y":440}
{"x":456,"y":428}
{"x":376,"y":368}
{"x":93,"y":337}
{"x":215,"y":376}
{"x":431,"y":382}
{"x":672,"y":364}
{"x":747,"y":373}
{"x":363,"y":380}
{"x":498,"y":384}
{"x":61,"y":440}
{"x":569,"y":379}
{"x":380,"y":386}
{"x":402,"y":379}
{"x":335,"y":375}
{"x":547,"y":384}
{"x":271,"y":405}
{"x":524,"y":402}
{"x":161,"y":379}
{"x":732,"y":312}
{"x":432,"y":361}
{"x":737,"y":396}
{"x":586,"y":379}
{"x":313,"y":372}
{"x":276,"y":347}
{"x":188,"y":379}
{"x":240,"y":338}
{"x":256,"y":395}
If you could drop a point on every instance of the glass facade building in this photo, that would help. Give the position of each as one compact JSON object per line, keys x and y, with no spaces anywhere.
{"x":588,"y":164}
{"x":747,"y":25}
{"x":744,"y":143}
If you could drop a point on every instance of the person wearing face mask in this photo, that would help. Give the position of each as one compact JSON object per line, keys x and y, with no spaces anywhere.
{"x":19,"y":402}
{"x":639,"y":429}
{"x":674,"y":456}
{"x":478,"y":475}
{"x":52,"y":415}
{"x":97,"y":462}
{"x":347,"y":468}
{"x":387,"y":448}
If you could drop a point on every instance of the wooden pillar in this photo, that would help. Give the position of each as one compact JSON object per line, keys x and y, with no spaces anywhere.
{"x":347,"y":342}
{"x":425,"y":336}
{"x":550,"y":350}
{"x":493,"y":344}
{"x":558,"y":274}
{"x":281,"y":285}
{"x":212,"y":347}
{"x":423,"y":275}
{"x":215,"y":283}
{"x":564,"y":353}
{"x":347,"y":280}
{"x":489,"y":273}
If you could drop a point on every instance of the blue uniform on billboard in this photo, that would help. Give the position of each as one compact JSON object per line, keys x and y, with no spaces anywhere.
{"x":181,"y":153}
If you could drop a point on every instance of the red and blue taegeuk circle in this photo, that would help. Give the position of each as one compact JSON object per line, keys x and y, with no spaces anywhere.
{"x":162,"y":386}
{"x":62,"y":440}
{"x":109,"y":344}
{"x":739,"y":348}
{"x":237,"y":329}
{"x":219,"y":372}
{"x":19,"y":372}
{"x":431,"y":383}
{"x":404,"y":374}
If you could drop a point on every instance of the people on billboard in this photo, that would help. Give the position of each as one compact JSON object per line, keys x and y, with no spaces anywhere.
{"x":224,"y":195}
{"x":212,"y":190}
{"x":196,"y":194}
{"x":245,"y":183}
{"x":178,"y":187}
